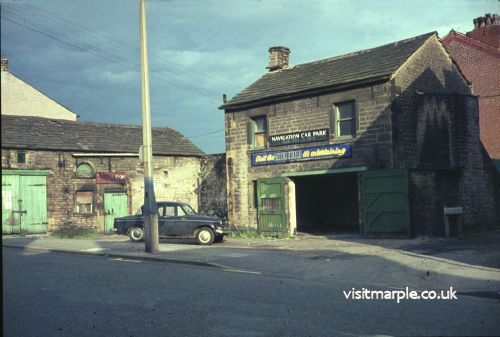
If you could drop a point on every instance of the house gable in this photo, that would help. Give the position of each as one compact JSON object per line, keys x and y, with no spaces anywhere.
{"x":21,"y":99}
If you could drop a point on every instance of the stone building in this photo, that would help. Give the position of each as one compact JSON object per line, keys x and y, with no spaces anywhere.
{"x":378,"y":142}
{"x":477,"y":54}
{"x":21,"y":99}
{"x":59,"y":175}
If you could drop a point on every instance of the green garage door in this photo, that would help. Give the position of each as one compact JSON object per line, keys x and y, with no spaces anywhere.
{"x":24,"y":203}
{"x":386,"y":203}
{"x":271,"y":208}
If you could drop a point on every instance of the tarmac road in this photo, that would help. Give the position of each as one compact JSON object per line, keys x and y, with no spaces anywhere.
{"x":57,"y":294}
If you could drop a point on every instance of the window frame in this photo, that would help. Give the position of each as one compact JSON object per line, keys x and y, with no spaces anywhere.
{"x":256,"y":132}
{"x":337,"y":120}
{"x":91,"y":175}
{"x":77,"y":205}
{"x":21,"y":154}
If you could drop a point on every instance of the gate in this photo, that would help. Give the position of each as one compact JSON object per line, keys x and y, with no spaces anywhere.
{"x":115,"y":205}
{"x":386,"y":203}
{"x":270,"y":206}
{"x":24,"y":203}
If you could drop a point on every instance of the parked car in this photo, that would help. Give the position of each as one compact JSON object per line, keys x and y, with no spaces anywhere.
{"x":175,"y":220}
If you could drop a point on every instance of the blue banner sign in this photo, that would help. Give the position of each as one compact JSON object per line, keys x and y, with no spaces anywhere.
{"x":302,"y":154}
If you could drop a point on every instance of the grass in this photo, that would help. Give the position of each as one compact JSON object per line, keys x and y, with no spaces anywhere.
{"x":75,"y":234}
{"x":253,"y":234}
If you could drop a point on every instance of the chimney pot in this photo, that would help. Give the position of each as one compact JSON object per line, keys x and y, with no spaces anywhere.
{"x":488,"y":19}
{"x":5,"y":65}
{"x":278,"y":58}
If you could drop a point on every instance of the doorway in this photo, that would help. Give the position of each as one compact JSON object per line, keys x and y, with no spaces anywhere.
{"x":327,"y":203}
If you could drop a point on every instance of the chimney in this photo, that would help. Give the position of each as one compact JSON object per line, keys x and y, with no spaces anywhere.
{"x":5,"y":65}
{"x":486,"y":21}
{"x":486,"y":30}
{"x":278,"y":58}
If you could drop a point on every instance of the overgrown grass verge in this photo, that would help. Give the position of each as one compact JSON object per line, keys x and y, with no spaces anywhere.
{"x":253,"y":234}
{"x":72,"y":233}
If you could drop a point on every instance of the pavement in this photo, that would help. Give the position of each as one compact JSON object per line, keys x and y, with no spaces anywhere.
{"x":471,"y":265}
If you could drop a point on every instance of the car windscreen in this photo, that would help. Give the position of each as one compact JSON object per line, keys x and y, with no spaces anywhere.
{"x":188,"y":209}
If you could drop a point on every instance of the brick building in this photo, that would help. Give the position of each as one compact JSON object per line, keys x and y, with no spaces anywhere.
{"x":378,"y":141}
{"x":60,"y":174}
{"x":478,"y":56}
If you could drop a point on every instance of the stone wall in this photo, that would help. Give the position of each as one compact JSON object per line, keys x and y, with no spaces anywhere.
{"x":212,"y":190}
{"x":439,"y":143}
{"x":371,"y":147}
{"x":437,"y":138}
{"x":176,"y":179}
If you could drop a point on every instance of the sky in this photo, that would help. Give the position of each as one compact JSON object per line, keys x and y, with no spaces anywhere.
{"x":85,"y":54}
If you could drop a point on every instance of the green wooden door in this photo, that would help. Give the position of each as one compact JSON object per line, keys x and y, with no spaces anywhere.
{"x":270,"y":207}
{"x":11,"y":218}
{"x":115,"y":205}
{"x":33,"y":196}
{"x":386,"y":203}
{"x":24,"y":204}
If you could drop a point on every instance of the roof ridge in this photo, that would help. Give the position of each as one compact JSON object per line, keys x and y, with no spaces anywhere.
{"x":88,"y":123}
{"x":362,"y":51}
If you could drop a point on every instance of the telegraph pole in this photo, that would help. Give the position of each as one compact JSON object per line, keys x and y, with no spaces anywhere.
{"x":150,"y":210}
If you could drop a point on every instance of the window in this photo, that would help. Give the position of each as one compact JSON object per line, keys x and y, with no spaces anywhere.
{"x":84,"y":171}
{"x":84,"y":202}
{"x":259,"y":132}
{"x":169,"y":210}
{"x":188,"y":209}
{"x":180,"y":211}
{"x":21,"y":157}
{"x":345,"y":119}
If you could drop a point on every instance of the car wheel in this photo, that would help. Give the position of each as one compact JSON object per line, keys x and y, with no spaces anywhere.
{"x":205,"y":236}
{"x":136,"y":233}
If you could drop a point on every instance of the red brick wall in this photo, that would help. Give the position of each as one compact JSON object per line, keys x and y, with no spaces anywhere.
{"x":481,"y":65}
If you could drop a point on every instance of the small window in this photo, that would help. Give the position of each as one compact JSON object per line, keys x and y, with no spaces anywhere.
{"x":180,"y":211}
{"x":345,"y":119}
{"x":259,"y":132}
{"x":21,"y":157}
{"x":169,"y":210}
{"x":84,"y":171}
{"x":84,"y":202}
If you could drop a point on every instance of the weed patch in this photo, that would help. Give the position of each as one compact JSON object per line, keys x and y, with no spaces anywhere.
{"x":73,"y":233}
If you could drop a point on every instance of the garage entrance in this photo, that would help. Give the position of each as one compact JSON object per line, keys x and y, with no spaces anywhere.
{"x":327,"y":203}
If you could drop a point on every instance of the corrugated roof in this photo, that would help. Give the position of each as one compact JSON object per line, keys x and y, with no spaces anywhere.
{"x":342,"y":70}
{"x":19,"y":132}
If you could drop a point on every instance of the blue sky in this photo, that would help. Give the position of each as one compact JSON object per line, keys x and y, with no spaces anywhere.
{"x":85,"y":53}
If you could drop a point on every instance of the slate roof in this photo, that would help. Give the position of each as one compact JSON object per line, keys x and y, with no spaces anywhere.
{"x":341,"y":71}
{"x":19,"y":132}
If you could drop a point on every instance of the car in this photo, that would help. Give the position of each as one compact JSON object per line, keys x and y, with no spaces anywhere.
{"x":175,"y":220}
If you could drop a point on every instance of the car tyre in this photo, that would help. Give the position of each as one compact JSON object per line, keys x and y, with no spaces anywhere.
{"x":136,"y":233}
{"x":205,"y":236}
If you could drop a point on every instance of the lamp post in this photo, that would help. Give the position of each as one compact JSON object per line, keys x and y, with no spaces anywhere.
{"x":150,"y":209}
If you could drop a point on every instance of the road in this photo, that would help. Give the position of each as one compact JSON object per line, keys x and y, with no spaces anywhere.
{"x":54,"y":294}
